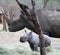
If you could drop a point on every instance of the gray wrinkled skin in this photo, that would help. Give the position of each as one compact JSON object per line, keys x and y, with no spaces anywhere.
{"x":33,"y":40}
{"x":49,"y":21}
{"x":19,"y":24}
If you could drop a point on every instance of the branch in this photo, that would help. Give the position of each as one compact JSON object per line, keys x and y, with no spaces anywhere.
{"x":33,"y":6}
{"x":45,"y":3}
{"x":33,"y":18}
{"x":33,"y":14}
{"x":24,"y":8}
{"x":22,"y":5}
{"x":38,"y":29}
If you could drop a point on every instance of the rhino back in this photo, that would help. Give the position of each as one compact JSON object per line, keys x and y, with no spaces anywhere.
{"x":50,"y":22}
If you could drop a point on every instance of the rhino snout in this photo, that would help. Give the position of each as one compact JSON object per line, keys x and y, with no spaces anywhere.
{"x":22,"y":39}
{"x":10,"y":29}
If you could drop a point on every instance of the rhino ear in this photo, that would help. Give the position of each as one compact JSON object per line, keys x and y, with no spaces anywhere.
{"x":30,"y":32}
{"x":25,"y":30}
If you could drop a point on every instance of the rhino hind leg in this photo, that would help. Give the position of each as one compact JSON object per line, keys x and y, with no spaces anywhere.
{"x":47,"y":43}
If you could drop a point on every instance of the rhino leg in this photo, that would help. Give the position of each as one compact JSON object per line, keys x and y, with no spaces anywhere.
{"x":33,"y":47}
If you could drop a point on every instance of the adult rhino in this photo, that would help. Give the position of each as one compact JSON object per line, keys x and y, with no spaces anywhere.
{"x":49,"y":21}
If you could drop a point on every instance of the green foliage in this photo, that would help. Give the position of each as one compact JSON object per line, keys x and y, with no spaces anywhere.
{"x":53,"y":4}
{"x":39,"y":3}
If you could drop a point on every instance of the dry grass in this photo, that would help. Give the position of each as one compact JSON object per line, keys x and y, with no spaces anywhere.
{"x":10,"y":45}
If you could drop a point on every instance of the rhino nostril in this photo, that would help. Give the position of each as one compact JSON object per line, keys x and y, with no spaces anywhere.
{"x":10,"y":29}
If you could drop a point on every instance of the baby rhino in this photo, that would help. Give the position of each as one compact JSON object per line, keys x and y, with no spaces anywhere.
{"x":33,"y":40}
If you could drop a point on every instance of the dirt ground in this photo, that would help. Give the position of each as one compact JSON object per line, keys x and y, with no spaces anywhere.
{"x":12,"y":38}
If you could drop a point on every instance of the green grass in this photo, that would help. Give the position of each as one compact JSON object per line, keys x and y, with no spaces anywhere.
{"x":23,"y":50}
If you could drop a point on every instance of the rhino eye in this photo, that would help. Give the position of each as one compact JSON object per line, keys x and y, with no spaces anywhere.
{"x":14,"y":22}
{"x":25,"y":37}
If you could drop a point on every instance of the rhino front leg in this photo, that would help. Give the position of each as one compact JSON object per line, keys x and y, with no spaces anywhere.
{"x":35,"y":47}
{"x":32,"y":47}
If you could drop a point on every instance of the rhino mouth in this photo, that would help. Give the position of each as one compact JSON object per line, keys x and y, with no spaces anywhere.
{"x":22,"y":40}
{"x":12,"y":30}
